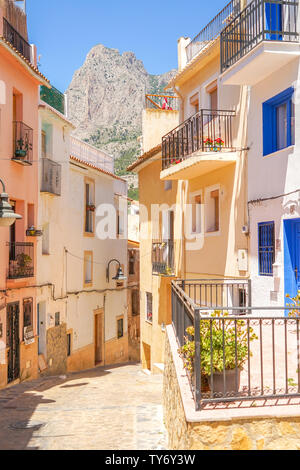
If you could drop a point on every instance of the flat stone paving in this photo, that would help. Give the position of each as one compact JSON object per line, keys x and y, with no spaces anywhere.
{"x":116,"y":408}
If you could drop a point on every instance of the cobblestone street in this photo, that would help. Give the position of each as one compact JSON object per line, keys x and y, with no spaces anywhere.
{"x":117,"y":408}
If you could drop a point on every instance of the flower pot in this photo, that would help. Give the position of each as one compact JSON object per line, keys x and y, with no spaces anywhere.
{"x":231,"y":387}
{"x":20,"y":153}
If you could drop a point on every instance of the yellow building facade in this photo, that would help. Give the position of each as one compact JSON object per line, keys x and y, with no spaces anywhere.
{"x":193,"y":195}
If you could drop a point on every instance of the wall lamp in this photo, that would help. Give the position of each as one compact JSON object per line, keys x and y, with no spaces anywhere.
{"x":120,"y":275}
{"x":7,"y":215}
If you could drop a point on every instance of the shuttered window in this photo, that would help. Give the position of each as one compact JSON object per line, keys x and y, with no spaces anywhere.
{"x":266,"y":248}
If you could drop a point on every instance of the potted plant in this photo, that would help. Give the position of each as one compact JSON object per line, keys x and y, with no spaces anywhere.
{"x":23,"y":261}
{"x":218,"y":144}
{"x":296,"y":303}
{"x":21,"y":149}
{"x":209,"y":143}
{"x":212,"y":337}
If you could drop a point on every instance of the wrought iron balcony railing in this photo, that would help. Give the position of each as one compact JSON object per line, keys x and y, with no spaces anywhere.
{"x":162,"y":102}
{"x":206,"y":131}
{"x":54,"y":98}
{"x":21,"y":260}
{"x":51,"y":177}
{"x":213,"y":29}
{"x":16,"y":40}
{"x":234,"y":358}
{"x":261,"y":20}
{"x":163,"y":257}
{"x":23,"y":143}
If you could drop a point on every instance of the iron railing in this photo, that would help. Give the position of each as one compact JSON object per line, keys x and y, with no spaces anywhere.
{"x":162,"y":102}
{"x":21,"y":260}
{"x":16,"y":40}
{"x":53,"y":97}
{"x":163,"y":257}
{"x":260,"y":21}
{"x":206,"y":131}
{"x":213,"y":29}
{"x":238,"y":358}
{"x":215,"y":293}
{"x":51,"y":177}
{"x":23,"y":143}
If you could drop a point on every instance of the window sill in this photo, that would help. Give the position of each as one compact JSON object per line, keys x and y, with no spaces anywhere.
{"x":89,"y":234}
{"x":149,"y":322}
{"x":213,"y":233}
{"x":289,"y":149}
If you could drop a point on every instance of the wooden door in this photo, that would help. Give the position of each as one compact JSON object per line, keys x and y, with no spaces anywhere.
{"x":13,"y":342}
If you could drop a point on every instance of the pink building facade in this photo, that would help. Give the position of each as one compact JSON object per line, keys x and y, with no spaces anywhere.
{"x":19,"y":97}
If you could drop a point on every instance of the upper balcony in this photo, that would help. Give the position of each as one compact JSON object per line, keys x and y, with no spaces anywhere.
{"x":23,"y":143}
{"x":51,"y":177}
{"x":21,"y":260}
{"x":260,"y":40}
{"x":201,"y":144}
{"x":163,"y":257}
{"x":54,"y":98}
{"x":162,"y":102}
{"x":212,"y":30}
{"x":16,"y":39}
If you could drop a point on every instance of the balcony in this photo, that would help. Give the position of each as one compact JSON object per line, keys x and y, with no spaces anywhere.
{"x":21,"y":260}
{"x":201,"y":144}
{"x":234,"y":358}
{"x":54,"y":98}
{"x":23,"y":143}
{"x":163,"y":257}
{"x":16,"y":40}
{"x":162,"y":102}
{"x":259,"y":41}
{"x":51,"y":177}
{"x":212,"y":30}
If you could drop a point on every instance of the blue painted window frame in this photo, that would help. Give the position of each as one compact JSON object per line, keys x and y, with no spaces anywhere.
{"x":266,"y":248}
{"x":270,"y":138}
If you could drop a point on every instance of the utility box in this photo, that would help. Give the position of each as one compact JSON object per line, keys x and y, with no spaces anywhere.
{"x":243,"y":260}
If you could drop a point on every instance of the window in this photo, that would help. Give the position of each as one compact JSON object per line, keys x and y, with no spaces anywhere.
{"x":120,"y":219}
{"x":88,"y":268}
{"x":266,"y":248}
{"x":28,"y":312}
{"x":135,"y":303}
{"x":30,"y":215}
{"x":89,"y":206}
{"x":57,"y":318}
{"x":213,"y":211}
{"x":149,"y":306}
{"x":196,"y":213}
{"x":168,"y":185}
{"x":131,"y":263}
{"x":120,"y":326}
{"x":278,"y":122}
{"x":44,"y":144}
{"x":214,"y":99}
{"x":194,"y":102}
{"x":69,"y":344}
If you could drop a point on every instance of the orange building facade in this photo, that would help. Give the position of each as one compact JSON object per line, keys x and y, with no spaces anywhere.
{"x":19,"y":94}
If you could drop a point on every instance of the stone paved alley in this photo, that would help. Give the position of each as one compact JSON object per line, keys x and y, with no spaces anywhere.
{"x":117,"y":408}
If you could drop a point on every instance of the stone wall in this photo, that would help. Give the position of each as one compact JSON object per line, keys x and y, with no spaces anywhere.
{"x":252,"y":433}
{"x":56,"y":350}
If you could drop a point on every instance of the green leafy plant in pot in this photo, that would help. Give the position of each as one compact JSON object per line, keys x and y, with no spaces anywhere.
{"x":233,"y":340}
{"x":23,"y":261}
{"x":21,"y":149}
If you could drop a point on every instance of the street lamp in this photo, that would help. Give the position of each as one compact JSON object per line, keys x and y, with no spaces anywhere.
{"x":7,"y":215}
{"x":120,"y":275}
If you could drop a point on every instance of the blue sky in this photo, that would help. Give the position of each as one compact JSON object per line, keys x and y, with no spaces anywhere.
{"x":65,"y":30}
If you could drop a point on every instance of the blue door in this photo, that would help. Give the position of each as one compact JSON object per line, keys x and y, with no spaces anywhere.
{"x":273,"y":24}
{"x":292,"y":257}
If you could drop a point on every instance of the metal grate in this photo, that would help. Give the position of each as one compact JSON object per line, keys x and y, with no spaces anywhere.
{"x":23,"y":143}
{"x":266,"y":248}
{"x":53,"y":97}
{"x":213,"y":29}
{"x":21,"y":260}
{"x":206,"y":131}
{"x":260,"y":21}
{"x":16,"y":40}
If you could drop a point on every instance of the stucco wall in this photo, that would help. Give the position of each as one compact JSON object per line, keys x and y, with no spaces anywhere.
{"x":233,"y":434}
